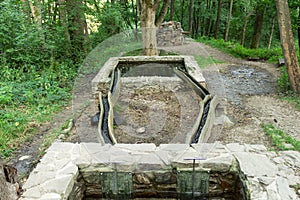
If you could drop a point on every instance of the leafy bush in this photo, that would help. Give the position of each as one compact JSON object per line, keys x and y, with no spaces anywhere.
{"x":237,"y":50}
{"x":36,"y":76}
{"x":283,"y":82}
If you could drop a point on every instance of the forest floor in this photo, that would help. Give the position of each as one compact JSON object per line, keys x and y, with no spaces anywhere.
{"x":246,"y":91}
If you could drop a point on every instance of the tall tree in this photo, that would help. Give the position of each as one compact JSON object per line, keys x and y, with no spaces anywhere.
{"x":147,"y":12}
{"x":259,"y":18}
{"x":245,"y":28}
{"x":77,"y":27}
{"x":271,"y":32}
{"x":36,"y":14}
{"x":172,"y":9}
{"x":217,"y":24}
{"x":64,"y":23}
{"x":228,"y":20}
{"x":191,"y":20}
{"x":288,"y":45}
{"x":298,"y":27}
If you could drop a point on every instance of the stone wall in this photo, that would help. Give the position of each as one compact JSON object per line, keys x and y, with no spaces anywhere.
{"x":170,"y":34}
{"x":71,"y":171}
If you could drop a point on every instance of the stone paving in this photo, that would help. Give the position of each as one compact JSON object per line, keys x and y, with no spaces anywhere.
{"x":269,"y":175}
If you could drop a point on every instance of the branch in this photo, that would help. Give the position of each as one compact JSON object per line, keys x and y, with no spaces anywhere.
{"x":162,"y":13}
{"x":156,"y":5}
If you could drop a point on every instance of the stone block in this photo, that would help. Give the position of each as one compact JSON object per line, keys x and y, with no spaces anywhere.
{"x":166,"y":152}
{"x":284,"y":191}
{"x":222,"y":163}
{"x":37,"y":178}
{"x":136,"y":148}
{"x":150,"y":162}
{"x":51,"y":196}
{"x":62,"y":185}
{"x":236,"y":147}
{"x":70,"y":168}
{"x":256,"y":165}
{"x":32,"y":193}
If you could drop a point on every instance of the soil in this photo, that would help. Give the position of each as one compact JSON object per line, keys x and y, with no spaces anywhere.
{"x":246,"y":91}
{"x":155,"y":112}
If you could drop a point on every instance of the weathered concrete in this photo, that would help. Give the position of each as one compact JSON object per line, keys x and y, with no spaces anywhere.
{"x":267,"y":175}
{"x":103,"y":78}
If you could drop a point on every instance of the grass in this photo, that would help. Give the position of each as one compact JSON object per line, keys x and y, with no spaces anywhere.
{"x":30,"y":101}
{"x":19,"y":122}
{"x":280,"y":139}
{"x":203,"y":61}
{"x":237,"y":50}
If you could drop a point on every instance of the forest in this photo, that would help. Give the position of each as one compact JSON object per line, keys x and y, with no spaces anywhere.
{"x":44,"y":42}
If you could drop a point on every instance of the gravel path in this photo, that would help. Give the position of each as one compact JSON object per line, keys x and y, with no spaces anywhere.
{"x":247,"y":92}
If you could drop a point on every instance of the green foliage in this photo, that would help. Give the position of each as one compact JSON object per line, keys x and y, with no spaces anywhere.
{"x":285,"y":90}
{"x":33,"y":83}
{"x":283,"y":82}
{"x":31,"y":101}
{"x":113,"y":19}
{"x":280,"y":139}
{"x":239,"y":51}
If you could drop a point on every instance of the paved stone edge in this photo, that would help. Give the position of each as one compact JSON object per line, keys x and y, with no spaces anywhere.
{"x":269,"y":175}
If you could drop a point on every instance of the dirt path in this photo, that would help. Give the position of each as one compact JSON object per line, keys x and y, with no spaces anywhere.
{"x":247,"y":91}
{"x":247,"y":99}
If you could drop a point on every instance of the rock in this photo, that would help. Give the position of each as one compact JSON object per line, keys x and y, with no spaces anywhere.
{"x":8,"y":190}
{"x":170,"y":34}
{"x":140,"y":130}
{"x":24,"y":157}
{"x":142,"y":179}
{"x":223,"y":120}
{"x":288,"y":146}
{"x":281,"y":62}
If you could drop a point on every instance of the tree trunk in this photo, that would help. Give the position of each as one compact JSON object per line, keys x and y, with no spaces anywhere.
{"x":191,"y":19}
{"x":147,"y":10}
{"x":245,"y":28}
{"x":298,"y":29}
{"x":288,"y":45}
{"x":36,"y":12}
{"x":135,"y":11}
{"x":228,"y":20}
{"x":162,"y":13}
{"x":63,"y":20}
{"x":172,"y":9}
{"x":77,"y":26}
{"x":271,"y":33}
{"x":258,"y":26}
{"x":182,"y":12}
{"x":216,"y":31}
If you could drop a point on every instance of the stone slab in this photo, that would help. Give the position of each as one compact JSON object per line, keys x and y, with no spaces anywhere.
{"x":256,"y":165}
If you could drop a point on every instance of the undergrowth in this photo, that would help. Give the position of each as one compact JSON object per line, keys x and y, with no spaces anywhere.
{"x":28,"y":100}
{"x":280,"y":139}
{"x":285,"y":91}
{"x":237,"y":50}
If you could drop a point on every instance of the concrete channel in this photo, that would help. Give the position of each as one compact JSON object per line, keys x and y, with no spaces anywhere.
{"x":110,"y":75}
